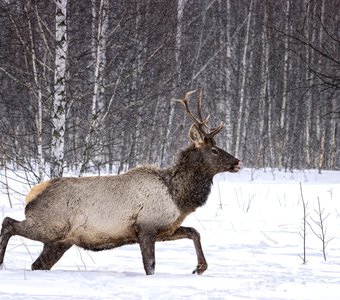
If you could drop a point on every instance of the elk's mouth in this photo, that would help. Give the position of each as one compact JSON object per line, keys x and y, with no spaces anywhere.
{"x":236,"y":168}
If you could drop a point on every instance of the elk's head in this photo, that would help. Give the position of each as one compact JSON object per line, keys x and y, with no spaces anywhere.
{"x":204,"y":150}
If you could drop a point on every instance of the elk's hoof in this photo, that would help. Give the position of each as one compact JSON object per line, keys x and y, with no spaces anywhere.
{"x":37,"y":265}
{"x":200,"y":269}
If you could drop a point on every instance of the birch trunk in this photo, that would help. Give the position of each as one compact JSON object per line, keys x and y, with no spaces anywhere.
{"x":263,"y":90}
{"x":242,"y":104}
{"x":149,"y":145}
{"x":322,"y":149}
{"x":137,"y":68}
{"x":178,"y":46}
{"x":308,"y":115}
{"x":36,"y":94}
{"x":334,"y":124}
{"x":99,"y":46}
{"x":199,"y":47}
{"x":318,"y":122}
{"x":333,"y":141}
{"x":271,"y":113}
{"x":283,"y":125}
{"x":223,"y":74}
{"x":38,"y":117}
{"x":228,"y":114}
{"x":59,"y":103}
{"x":285,"y":69}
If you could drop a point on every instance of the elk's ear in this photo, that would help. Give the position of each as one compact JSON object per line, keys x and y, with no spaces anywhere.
{"x":196,"y":136}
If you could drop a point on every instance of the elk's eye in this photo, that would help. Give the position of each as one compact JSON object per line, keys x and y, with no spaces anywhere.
{"x":214,"y":151}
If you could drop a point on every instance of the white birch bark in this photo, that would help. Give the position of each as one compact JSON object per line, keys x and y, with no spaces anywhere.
{"x":321,"y":132}
{"x":263,"y":89}
{"x":137,"y":69}
{"x":199,"y":47}
{"x":318,"y":121}
{"x":224,"y":79}
{"x":333,"y":120}
{"x":242,"y":104}
{"x":333,"y":141}
{"x":308,"y":97}
{"x":179,"y":29}
{"x":178,"y":46}
{"x":99,"y":31}
{"x":59,"y":100}
{"x":321,"y":164}
{"x":228,"y":121}
{"x":38,"y":94}
{"x":100,"y":55}
{"x":285,"y":69}
{"x":283,"y":125}
{"x":271,"y":111}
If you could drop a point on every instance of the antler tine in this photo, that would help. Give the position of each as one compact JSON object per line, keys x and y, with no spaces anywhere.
{"x":216,"y":130}
{"x":199,"y":109}
{"x":199,"y":104}
{"x":199,"y":121}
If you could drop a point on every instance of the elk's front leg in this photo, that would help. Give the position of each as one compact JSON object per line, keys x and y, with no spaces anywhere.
{"x":146,"y":240}
{"x":193,"y":234}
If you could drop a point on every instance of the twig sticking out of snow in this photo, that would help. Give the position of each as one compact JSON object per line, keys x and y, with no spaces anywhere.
{"x":320,"y":223}
{"x":304,"y":226}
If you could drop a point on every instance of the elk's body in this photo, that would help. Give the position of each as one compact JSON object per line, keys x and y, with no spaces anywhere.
{"x":102,"y":212}
{"x":143,"y":206}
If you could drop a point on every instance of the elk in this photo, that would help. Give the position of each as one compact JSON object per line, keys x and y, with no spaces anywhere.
{"x":144,"y":205}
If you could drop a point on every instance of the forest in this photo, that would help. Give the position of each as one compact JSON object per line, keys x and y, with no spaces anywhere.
{"x":88,"y":86}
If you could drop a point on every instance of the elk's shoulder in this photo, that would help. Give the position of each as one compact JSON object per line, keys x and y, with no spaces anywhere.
{"x":157,"y":177}
{"x":145,"y":170}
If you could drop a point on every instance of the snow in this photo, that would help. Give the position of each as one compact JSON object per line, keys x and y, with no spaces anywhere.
{"x":251,"y":234}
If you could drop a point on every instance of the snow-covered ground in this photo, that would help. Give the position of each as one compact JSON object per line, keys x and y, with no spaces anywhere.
{"x":251,"y":232}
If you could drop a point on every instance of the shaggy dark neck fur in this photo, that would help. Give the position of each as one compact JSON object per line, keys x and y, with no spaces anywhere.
{"x":188,"y":182}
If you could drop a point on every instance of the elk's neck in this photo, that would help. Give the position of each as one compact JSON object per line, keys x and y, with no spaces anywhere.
{"x":189,"y":188}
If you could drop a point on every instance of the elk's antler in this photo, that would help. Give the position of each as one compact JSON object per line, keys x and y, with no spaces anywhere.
{"x":199,"y":121}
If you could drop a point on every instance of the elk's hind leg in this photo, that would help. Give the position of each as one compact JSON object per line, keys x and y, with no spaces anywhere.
{"x":34,"y":231}
{"x":51,"y":253}
{"x":7,"y":230}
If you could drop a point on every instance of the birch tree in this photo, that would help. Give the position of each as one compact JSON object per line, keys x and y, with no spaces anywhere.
{"x":242,"y":102}
{"x":284,"y":124}
{"x":308,"y":117}
{"x":228,"y":81}
{"x":37,"y":92}
{"x":176,"y":82}
{"x":99,"y":42}
{"x":264,"y":87}
{"x":136,"y":72}
{"x":59,"y":96}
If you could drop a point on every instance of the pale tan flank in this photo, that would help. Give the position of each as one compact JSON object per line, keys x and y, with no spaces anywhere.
{"x":36,"y":190}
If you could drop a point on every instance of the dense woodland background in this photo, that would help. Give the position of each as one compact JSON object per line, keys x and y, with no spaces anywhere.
{"x":88,"y":84}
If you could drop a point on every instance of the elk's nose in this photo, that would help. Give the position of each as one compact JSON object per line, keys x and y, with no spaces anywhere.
{"x":240,"y":164}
